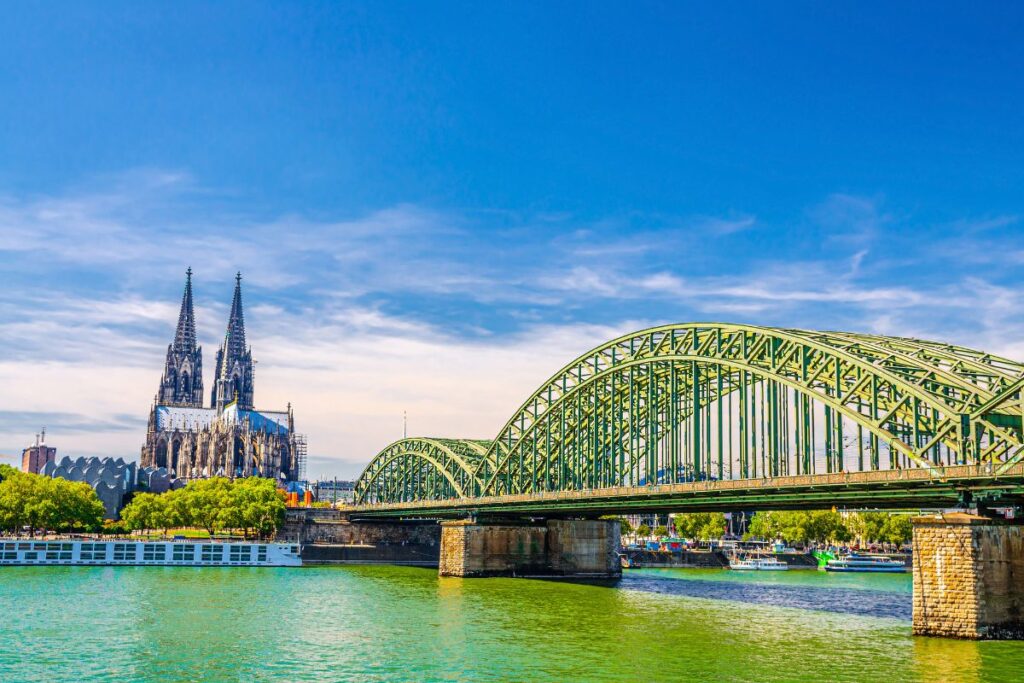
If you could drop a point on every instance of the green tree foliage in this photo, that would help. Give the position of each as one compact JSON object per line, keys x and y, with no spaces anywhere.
{"x":256,"y":506}
{"x":702,"y":526}
{"x":643,"y":531}
{"x":205,"y":503}
{"x":899,"y":529}
{"x":884,"y":527}
{"x":145,"y":511}
{"x":766,"y":525}
{"x":799,"y":526}
{"x":660,"y":531}
{"x":253,"y":505}
{"x":40,"y":502}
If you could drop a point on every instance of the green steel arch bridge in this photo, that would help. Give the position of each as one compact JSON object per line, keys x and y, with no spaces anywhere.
{"x":708,"y":416}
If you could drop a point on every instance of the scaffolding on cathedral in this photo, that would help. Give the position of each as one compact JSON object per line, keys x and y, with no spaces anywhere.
{"x":300,"y":457}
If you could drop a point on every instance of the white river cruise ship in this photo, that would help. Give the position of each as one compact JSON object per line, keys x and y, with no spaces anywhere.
{"x":167,"y":553}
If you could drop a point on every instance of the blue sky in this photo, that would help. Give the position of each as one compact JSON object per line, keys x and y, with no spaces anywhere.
{"x":436,"y":206}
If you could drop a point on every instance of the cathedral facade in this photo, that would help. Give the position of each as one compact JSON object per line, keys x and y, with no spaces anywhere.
{"x":230,"y":438}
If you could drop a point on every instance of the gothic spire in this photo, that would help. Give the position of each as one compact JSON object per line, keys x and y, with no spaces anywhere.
{"x":185,"y":336}
{"x":234,"y":338}
{"x":234,"y":370}
{"x":182,"y":381}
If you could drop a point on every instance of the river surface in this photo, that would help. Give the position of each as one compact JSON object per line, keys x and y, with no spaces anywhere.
{"x":405,"y":624}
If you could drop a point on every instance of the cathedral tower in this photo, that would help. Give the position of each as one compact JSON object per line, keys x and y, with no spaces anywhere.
{"x":182,"y":382}
{"x":234,"y":370}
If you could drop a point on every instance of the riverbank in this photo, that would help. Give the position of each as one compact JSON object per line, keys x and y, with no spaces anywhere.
{"x":702,"y":559}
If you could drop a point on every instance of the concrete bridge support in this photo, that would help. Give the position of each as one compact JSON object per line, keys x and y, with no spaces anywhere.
{"x":568,"y":548}
{"x":968,"y":577}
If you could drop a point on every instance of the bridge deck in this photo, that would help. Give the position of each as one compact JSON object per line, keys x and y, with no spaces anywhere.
{"x":904,"y":488}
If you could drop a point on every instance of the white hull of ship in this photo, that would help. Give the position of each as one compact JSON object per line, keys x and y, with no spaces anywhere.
{"x":148,"y":553}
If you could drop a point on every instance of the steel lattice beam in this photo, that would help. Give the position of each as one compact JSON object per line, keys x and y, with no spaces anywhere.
{"x":710,"y":402}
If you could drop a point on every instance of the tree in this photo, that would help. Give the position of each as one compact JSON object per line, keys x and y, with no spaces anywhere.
{"x":799,"y":526}
{"x":827,"y":526}
{"x":898,"y":529}
{"x":884,"y":527}
{"x":78,"y":506}
{"x":143,"y":512}
{"x":701,"y":526}
{"x":203,"y":502}
{"x":40,"y":502}
{"x":765,"y":525}
{"x":868,"y":526}
{"x":660,"y":531}
{"x":255,"y":505}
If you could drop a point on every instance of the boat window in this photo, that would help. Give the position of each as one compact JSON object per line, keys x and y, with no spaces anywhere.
{"x":182,"y":552}
{"x":154,"y":551}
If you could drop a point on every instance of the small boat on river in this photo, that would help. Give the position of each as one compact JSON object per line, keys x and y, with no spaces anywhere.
{"x":760,"y":564}
{"x":855,"y":562}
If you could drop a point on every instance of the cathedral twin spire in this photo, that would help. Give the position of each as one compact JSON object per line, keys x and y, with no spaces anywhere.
{"x":185,"y":336}
{"x":182,"y":382}
{"x":234,"y":370}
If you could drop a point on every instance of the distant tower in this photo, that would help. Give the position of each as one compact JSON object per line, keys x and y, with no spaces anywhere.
{"x":234,"y":371}
{"x":182,"y":382}
{"x":37,"y":455}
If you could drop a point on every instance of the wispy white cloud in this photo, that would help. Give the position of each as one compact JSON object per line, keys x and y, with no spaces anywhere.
{"x":850,"y":220}
{"x":439,"y":313}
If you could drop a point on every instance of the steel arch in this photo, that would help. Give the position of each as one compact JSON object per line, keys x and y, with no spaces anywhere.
{"x":411,"y":469}
{"x":646,"y":397}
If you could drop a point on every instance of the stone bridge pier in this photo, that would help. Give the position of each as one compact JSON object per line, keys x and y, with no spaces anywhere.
{"x":968,"y":577}
{"x":557,"y":547}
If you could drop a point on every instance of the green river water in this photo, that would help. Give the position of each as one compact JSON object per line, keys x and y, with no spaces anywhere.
{"x":406,"y":624}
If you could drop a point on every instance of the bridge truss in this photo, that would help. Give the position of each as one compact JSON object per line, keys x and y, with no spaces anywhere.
{"x":710,"y":406}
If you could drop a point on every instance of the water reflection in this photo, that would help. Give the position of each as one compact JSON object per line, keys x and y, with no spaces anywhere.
{"x":941,"y":659}
{"x":800,"y":596}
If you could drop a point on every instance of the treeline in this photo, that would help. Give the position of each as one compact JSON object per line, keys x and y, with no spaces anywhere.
{"x":800,"y":526}
{"x":38,"y":502}
{"x":253,"y":506}
{"x":825,"y":526}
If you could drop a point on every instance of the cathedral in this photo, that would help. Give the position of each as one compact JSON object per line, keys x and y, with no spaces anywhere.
{"x":230,"y":438}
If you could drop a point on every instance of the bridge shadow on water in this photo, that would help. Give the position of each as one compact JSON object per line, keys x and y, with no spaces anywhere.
{"x":859,"y":602}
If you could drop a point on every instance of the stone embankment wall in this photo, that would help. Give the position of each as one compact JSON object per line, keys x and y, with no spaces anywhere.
{"x":968,"y":577}
{"x":559,"y":548}
{"x":327,"y":536}
{"x":703,"y":559}
{"x":687,"y":559}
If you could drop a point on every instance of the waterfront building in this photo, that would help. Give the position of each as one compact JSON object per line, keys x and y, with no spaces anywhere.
{"x":112,"y":479}
{"x":230,"y":438}
{"x":38,"y":454}
{"x":333,"y":491}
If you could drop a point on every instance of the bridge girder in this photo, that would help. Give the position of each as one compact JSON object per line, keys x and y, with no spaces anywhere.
{"x":646,"y":408}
